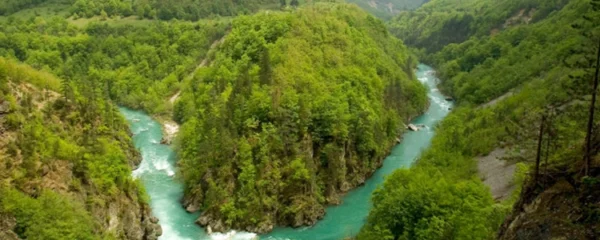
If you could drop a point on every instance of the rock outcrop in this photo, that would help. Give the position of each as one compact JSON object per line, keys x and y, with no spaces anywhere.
{"x":563,"y":205}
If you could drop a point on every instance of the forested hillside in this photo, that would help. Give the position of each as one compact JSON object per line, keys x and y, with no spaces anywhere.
{"x":442,"y":22}
{"x":66,"y":163}
{"x":296,"y":109}
{"x":11,"y":6}
{"x":138,"y":66}
{"x":524,"y":88}
{"x":170,"y":9}
{"x":386,"y":9}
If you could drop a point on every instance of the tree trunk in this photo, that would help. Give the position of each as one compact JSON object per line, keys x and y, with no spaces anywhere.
{"x":588,"y":136}
{"x":539,"y":150}
{"x":548,"y":141}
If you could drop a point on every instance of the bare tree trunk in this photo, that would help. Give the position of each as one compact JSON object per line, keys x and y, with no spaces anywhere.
{"x":588,"y":136}
{"x":539,"y":149}
{"x":548,"y":141}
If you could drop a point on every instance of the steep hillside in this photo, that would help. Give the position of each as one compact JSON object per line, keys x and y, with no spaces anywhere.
{"x":562,"y":206}
{"x":12,"y":6}
{"x":386,"y":9}
{"x":137,"y":65}
{"x":523,"y":91}
{"x":169,"y":9}
{"x":65,"y":163}
{"x":442,"y":22}
{"x":296,"y":109}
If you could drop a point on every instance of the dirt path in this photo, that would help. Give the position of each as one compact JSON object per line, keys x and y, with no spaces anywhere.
{"x":496,"y":100}
{"x":202,"y":64}
{"x":170,"y":128}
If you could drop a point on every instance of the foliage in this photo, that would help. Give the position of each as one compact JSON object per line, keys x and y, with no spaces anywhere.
{"x":22,"y":73}
{"x":136,"y":66}
{"x":412,"y":206}
{"x":63,"y":153}
{"x":386,"y":9}
{"x":503,"y":83}
{"x":168,"y":9}
{"x":11,"y":6}
{"x":47,"y":217}
{"x":442,"y":22}
{"x":295,"y":109}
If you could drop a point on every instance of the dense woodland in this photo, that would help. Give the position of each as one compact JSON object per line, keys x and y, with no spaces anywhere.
{"x":439,"y":23}
{"x":544,"y":70}
{"x":296,"y":109}
{"x":297,"y":106}
{"x":134,"y":65}
{"x":169,"y":9}
{"x":66,"y":163}
{"x":386,"y":9}
{"x":153,"y":9}
{"x":11,"y":6}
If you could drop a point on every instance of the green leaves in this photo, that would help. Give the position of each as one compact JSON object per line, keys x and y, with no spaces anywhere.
{"x":295,"y":108}
{"x":50,"y":216}
{"x":413,"y":204}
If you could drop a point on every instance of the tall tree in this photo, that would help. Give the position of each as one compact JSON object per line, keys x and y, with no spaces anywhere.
{"x":591,"y":63}
{"x":590,"y":124}
{"x":539,"y":148}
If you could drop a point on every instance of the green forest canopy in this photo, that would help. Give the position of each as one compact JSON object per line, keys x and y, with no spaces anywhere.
{"x":534,"y":64}
{"x":135,"y":65}
{"x":83,"y":141}
{"x":296,"y":109}
{"x":386,"y":9}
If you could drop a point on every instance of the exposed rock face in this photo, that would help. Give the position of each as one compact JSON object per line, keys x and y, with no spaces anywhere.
{"x":7,"y":223}
{"x":559,"y":207}
{"x":170,"y":130}
{"x":497,"y":173}
{"x":207,"y":220}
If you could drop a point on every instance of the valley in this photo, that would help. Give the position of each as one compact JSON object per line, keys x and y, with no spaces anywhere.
{"x":299,"y":119}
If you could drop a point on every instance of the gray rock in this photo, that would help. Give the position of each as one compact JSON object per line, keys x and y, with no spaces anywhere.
{"x":218,"y":226}
{"x":4,"y":107}
{"x":204,"y":219}
{"x":158,"y":230}
{"x":191,"y":208}
{"x":263,"y":227}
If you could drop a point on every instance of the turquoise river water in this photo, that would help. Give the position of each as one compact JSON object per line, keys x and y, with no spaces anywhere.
{"x":345,"y":220}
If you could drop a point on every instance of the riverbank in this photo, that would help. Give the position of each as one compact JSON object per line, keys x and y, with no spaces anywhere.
{"x":346,"y":219}
{"x":340,"y":221}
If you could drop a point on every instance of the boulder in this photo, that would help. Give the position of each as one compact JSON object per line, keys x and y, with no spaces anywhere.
{"x":191,"y":208}
{"x":263,"y":227}
{"x":218,"y":226}
{"x":412,"y":127}
{"x":204,"y":219}
{"x":4,"y":107}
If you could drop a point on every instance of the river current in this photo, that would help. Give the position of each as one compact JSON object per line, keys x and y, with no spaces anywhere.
{"x":345,"y":220}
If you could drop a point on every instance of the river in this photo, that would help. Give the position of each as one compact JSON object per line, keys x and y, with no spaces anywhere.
{"x":344,"y":220}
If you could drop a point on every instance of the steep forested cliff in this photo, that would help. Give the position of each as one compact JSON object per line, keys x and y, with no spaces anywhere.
{"x":523,"y":82}
{"x":296,"y":109}
{"x":65,"y":163}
